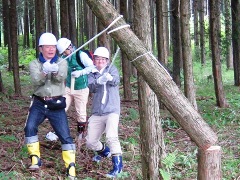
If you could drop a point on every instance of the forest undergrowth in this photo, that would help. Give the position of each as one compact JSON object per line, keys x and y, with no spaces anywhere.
{"x":181,"y":161}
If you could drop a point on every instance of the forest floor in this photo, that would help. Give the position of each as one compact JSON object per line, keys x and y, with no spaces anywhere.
{"x":15,"y":160}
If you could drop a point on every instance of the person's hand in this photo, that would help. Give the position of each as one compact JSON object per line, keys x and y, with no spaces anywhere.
{"x":78,"y":73}
{"x":46,"y":67}
{"x":54,"y":68}
{"x":108,"y":76}
{"x":102,"y":79}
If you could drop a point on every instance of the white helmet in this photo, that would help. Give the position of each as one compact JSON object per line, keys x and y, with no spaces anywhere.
{"x":47,"y":39}
{"x":63,"y":44}
{"x":101,"y":51}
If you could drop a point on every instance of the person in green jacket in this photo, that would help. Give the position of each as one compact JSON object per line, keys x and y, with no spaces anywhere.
{"x":77,"y":90}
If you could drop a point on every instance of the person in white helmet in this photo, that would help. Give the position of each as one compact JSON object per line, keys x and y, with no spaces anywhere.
{"x":48,"y":73}
{"x":79,"y":66}
{"x":103,"y":82}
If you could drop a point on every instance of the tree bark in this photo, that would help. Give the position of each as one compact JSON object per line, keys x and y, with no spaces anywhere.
{"x":72,"y":21}
{"x":228,"y":32}
{"x":202,"y":31}
{"x":126,"y":65}
{"x":31,"y":22}
{"x":55,"y":30}
{"x":40,"y":22}
{"x":235,"y":6}
{"x":5,"y":15}
{"x":161,"y":33}
{"x":176,"y":41}
{"x":14,"y":46}
{"x":26,"y":42}
{"x":209,"y":163}
{"x":64,"y":19}
{"x":151,"y":133}
{"x":189,"y":87}
{"x":216,"y":62}
{"x":156,"y":76}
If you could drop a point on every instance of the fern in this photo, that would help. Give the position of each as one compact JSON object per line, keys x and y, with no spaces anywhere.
{"x":165,"y":175}
{"x":168,"y":163}
{"x":169,"y":160}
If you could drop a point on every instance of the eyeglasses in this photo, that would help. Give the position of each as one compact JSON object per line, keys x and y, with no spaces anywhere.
{"x":69,"y":47}
{"x":98,"y":58}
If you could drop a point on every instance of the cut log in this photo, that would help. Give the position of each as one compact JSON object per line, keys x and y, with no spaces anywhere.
{"x":209,"y":163}
{"x":156,"y":76}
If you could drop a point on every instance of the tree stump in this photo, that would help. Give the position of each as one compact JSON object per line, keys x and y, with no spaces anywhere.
{"x":209,"y":163}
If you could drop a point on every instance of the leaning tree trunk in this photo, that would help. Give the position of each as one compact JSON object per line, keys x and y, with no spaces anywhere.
{"x":156,"y":76}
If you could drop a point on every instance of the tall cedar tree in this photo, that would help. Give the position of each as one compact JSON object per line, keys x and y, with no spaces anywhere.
{"x":235,"y":6}
{"x":189,"y":88}
{"x":126,"y":66}
{"x":14,"y":45}
{"x":151,"y":133}
{"x":214,"y":6}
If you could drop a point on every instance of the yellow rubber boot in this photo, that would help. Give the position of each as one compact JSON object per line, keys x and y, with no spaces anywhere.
{"x":34,"y":152}
{"x":69,"y":159}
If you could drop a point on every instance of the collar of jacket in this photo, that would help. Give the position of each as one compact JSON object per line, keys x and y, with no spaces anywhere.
{"x":42,"y":60}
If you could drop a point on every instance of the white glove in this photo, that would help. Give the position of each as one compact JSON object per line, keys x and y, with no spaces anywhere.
{"x":48,"y":67}
{"x":109,"y":76}
{"x":102,"y":79}
{"x":54,"y":68}
{"x":51,"y":136}
{"x":78,"y":73}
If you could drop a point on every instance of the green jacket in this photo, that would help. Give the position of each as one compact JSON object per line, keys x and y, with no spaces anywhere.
{"x":82,"y":81}
{"x":50,"y":85}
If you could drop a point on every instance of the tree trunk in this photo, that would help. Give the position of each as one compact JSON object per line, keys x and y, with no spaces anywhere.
{"x":216,"y":63}
{"x":202,"y":31}
{"x":176,"y":41}
{"x":14,"y":47}
{"x":5,"y":15}
{"x":72,"y":21}
{"x":209,"y":163}
{"x":31,"y":22}
{"x":40,"y":21}
{"x":1,"y":83}
{"x":64,"y":19}
{"x":55,"y":30}
{"x":156,"y":76}
{"x":151,"y":133}
{"x":26,"y":43}
{"x":195,"y":5}
{"x":235,"y":6}
{"x":189,"y":87}
{"x":161,"y":34}
{"x":126,"y":66}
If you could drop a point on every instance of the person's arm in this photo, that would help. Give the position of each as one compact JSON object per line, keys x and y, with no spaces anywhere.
{"x":38,"y":77}
{"x":115,"y":80}
{"x":61,"y":74}
{"x":87,"y":62}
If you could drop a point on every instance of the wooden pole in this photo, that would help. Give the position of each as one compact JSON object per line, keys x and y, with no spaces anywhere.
{"x":209,"y":163}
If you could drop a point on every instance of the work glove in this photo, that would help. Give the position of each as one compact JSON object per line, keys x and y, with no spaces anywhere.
{"x":54,"y":68}
{"x":102,"y":79}
{"x":78,"y":73}
{"x":48,"y":67}
{"x":109,"y":76}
